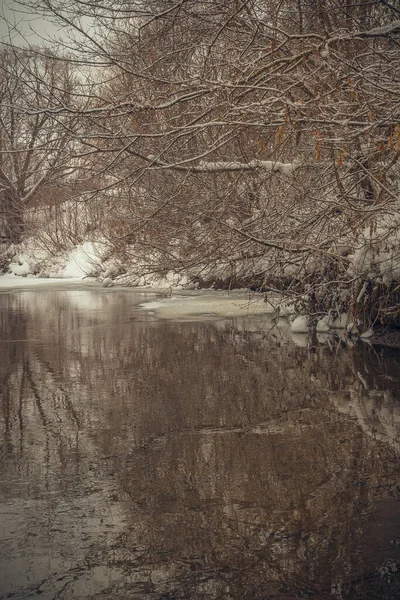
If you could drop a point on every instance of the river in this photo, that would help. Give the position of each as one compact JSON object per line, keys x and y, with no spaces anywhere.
{"x":198,"y":458}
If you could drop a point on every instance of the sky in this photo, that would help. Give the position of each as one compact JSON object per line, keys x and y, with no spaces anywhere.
{"x":34,"y":28}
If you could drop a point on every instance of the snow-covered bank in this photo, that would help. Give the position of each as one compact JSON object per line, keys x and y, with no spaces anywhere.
{"x":77,"y":262}
{"x":358,"y":276}
{"x":89,"y":259}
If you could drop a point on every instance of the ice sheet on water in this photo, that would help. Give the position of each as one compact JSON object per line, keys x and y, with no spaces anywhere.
{"x":220,"y":304}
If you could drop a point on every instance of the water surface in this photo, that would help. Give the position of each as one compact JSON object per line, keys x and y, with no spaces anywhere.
{"x":147,"y":459}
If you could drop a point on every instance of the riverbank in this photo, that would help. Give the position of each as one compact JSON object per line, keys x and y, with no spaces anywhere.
{"x":354,"y":295}
{"x":202,"y":305}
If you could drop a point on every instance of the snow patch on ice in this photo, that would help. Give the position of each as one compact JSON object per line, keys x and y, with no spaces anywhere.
{"x":300,"y":339}
{"x":223,"y":304}
{"x":323,"y":325}
{"x":340,"y":322}
{"x":300,"y":324}
{"x":367,"y":334}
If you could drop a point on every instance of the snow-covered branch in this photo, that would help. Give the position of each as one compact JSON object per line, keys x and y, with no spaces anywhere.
{"x":267,"y":165}
{"x":393,"y":27}
{"x":272,"y":166}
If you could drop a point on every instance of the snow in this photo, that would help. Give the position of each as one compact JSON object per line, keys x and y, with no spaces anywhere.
{"x":325,"y":52}
{"x":210,"y":304}
{"x":31,"y":258}
{"x":340,"y":322}
{"x":393,"y":27}
{"x":300,"y":324}
{"x":377,"y":255}
{"x":16,"y":282}
{"x":323,"y":325}
{"x":300,"y":339}
{"x":352,"y":327}
{"x":268,"y":165}
{"x":20,"y":269}
{"x":160,"y":282}
{"x":84,"y":259}
{"x":362,"y":292}
{"x":367,"y":334}
{"x":107,"y":282}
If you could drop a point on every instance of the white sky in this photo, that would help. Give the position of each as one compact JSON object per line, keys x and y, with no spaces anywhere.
{"x":35,"y":30}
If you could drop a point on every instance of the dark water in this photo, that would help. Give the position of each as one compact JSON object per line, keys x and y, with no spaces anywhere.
{"x":145,"y":459}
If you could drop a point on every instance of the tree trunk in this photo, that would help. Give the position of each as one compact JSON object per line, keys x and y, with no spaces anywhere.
{"x":11,"y":220}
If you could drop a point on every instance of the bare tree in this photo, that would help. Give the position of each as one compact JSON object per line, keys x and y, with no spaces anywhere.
{"x":251,"y":130}
{"x":36,"y":148}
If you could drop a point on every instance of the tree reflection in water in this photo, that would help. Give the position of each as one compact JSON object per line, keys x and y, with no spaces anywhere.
{"x":147,"y":459}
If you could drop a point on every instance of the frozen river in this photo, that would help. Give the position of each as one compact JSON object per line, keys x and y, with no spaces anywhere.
{"x":191,"y":452}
